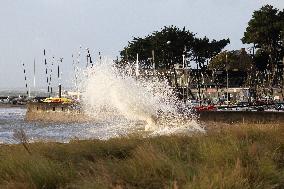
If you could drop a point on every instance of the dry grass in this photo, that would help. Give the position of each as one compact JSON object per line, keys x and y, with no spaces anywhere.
{"x":240,"y":156}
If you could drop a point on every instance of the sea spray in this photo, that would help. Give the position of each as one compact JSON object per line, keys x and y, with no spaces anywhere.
{"x":112,"y":93}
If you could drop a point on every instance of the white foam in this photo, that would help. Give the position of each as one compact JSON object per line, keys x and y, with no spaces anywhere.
{"x":110,"y":92}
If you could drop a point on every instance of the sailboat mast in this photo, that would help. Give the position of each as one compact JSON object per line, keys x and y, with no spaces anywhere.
{"x":34,"y":74}
{"x":26,"y":83}
{"x":46,"y":71}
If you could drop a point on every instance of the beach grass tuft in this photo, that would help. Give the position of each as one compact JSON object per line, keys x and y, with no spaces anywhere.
{"x":239,"y":156}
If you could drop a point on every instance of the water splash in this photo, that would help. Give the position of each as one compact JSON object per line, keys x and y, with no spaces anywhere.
{"x":116,"y":94}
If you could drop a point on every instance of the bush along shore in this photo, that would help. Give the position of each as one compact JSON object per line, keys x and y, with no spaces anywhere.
{"x":240,"y":156}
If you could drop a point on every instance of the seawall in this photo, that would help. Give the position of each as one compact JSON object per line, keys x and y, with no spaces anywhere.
{"x":55,"y":112}
{"x":241,"y":116}
{"x":67,"y":113}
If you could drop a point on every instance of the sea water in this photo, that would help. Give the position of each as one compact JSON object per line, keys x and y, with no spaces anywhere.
{"x":13,"y":119}
{"x":121,"y":103}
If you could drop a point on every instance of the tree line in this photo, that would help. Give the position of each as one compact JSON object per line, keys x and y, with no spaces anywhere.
{"x":164,"y":48}
{"x":167,"y":47}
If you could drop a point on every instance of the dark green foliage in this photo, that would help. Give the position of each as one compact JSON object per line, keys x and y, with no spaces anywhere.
{"x":266,"y":31}
{"x":261,"y":59}
{"x":203,"y":49}
{"x":231,"y":60}
{"x":169,"y":45}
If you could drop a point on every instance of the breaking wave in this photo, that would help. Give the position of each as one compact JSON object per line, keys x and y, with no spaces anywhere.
{"x":123,"y":95}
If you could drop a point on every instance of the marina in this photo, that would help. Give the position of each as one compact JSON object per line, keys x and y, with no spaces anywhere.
{"x":142,"y":94}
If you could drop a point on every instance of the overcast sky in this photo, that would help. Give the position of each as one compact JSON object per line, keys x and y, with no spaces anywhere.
{"x":61,"y":26}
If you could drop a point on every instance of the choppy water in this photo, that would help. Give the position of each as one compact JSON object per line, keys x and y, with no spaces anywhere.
{"x":13,"y":119}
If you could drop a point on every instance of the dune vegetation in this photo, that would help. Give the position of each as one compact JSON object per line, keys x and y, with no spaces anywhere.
{"x":239,"y":156}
